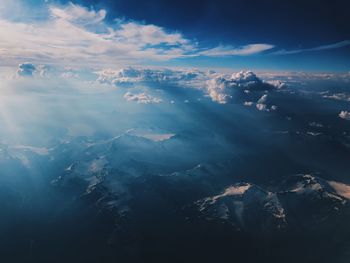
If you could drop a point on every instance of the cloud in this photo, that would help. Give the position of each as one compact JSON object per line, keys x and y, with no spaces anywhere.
{"x":338,"y":96}
{"x":344,"y":115}
{"x":75,"y":35}
{"x":149,"y":34}
{"x":72,"y":34}
{"x":26,"y":69}
{"x":142,"y":98}
{"x":273,"y":107}
{"x":318,"y":48}
{"x":263,"y":99}
{"x":130,"y":75}
{"x":221,"y":88}
{"x":277,"y":83}
{"x":78,"y":14}
{"x":261,"y":107}
{"x":241,"y":51}
{"x":261,"y":104}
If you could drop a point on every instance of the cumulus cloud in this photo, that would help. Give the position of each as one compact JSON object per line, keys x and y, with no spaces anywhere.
{"x":262,"y":105}
{"x":277,"y":83}
{"x":141,"y":98}
{"x":345,"y":115}
{"x":26,"y":69}
{"x":221,"y":88}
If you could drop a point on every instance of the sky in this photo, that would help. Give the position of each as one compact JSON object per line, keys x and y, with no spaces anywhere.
{"x":258,"y":35}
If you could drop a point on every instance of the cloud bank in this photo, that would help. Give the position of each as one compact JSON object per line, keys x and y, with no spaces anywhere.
{"x":220,"y":88}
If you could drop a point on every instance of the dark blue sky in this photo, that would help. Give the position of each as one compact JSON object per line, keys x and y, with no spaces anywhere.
{"x":290,"y":25}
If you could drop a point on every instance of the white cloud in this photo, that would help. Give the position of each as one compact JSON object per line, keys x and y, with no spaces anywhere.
{"x":248,"y":103}
{"x":221,"y":88}
{"x":148,"y":34}
{"x":277,"y":83}
{"x":263,"y":99}
{"x":345,"y":115}
{"x":75,"y":35}
{"x":274,"y":107}
{"x":142,"y":98}
{"x":312,"y":49}
{"x":78,"y":14}
{"x":261,"y":107}
{"x":338,"y":96}
{"x":240,"y":51}
{"x":193,"y":78}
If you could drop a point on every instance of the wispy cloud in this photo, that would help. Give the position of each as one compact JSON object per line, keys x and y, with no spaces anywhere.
{"x":318,"y":48}
{"x":234,"y":51}
{"x":78,"y":14}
